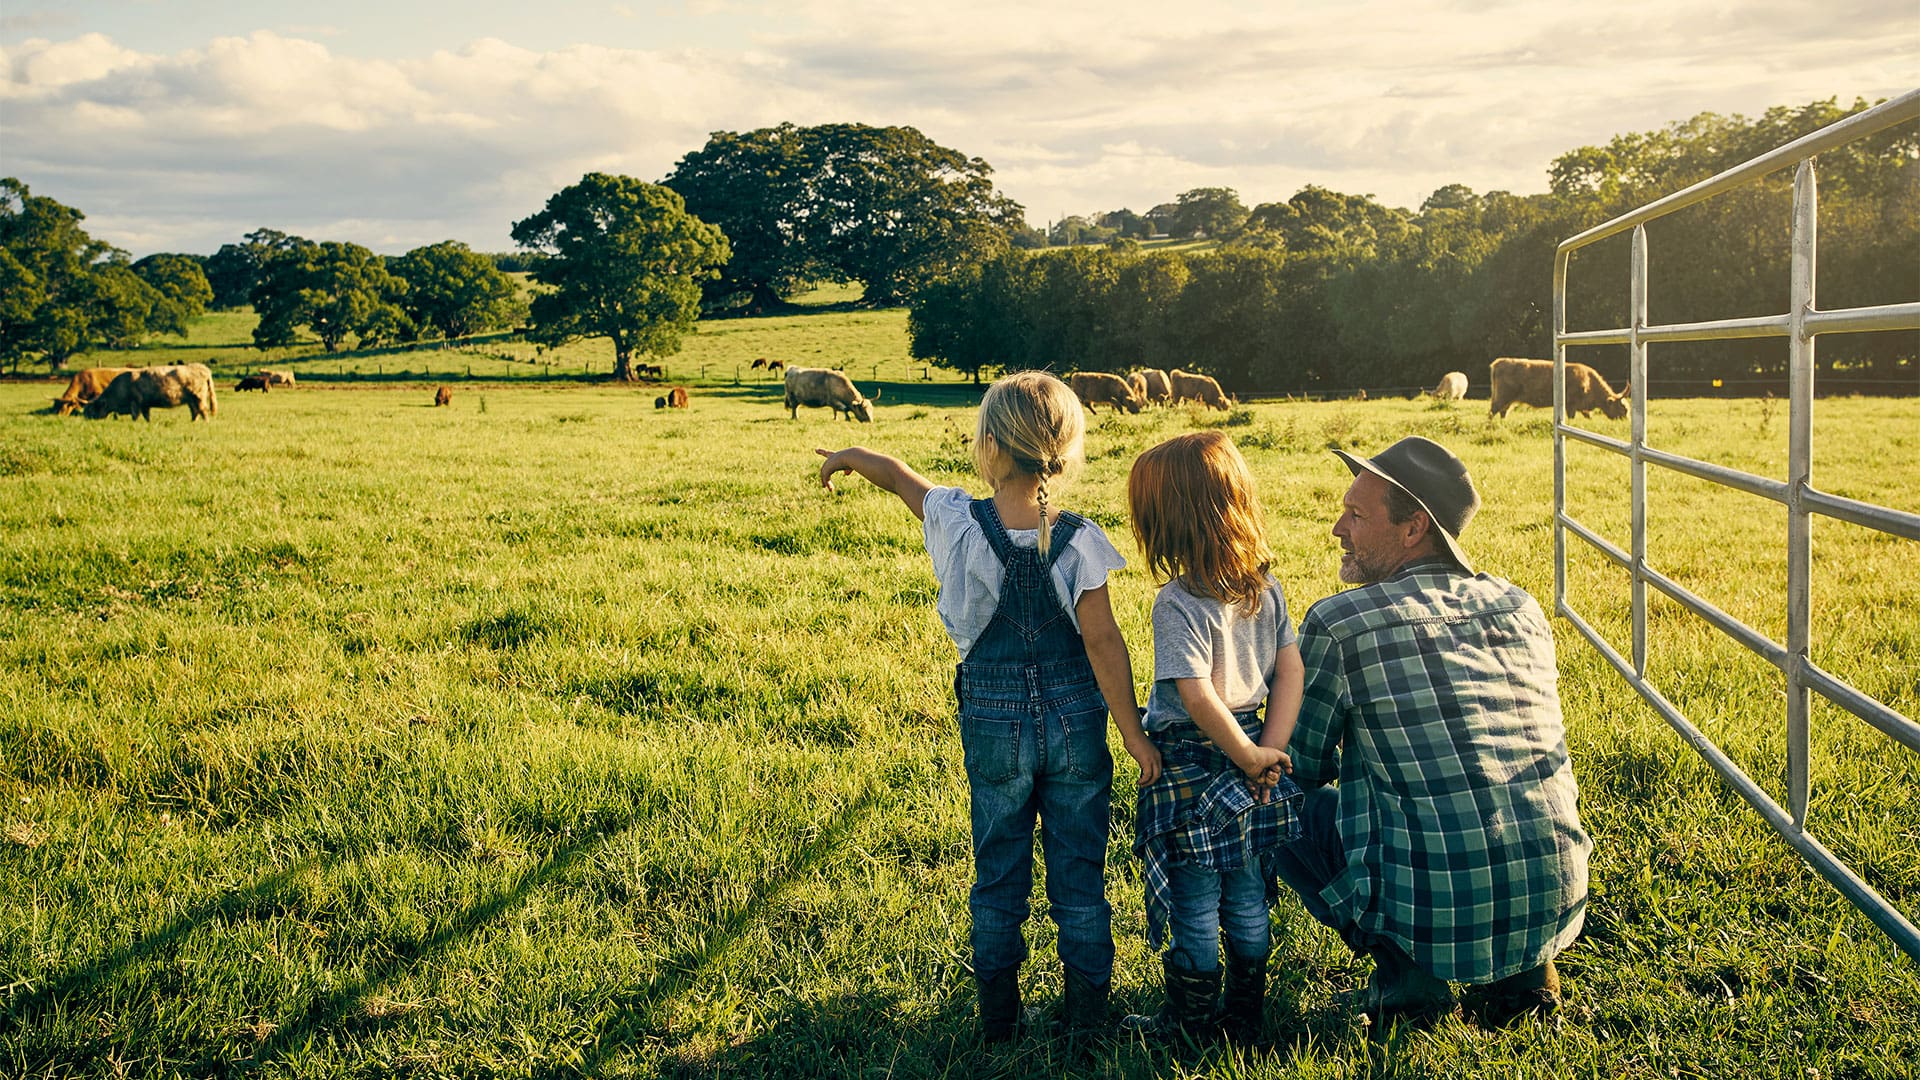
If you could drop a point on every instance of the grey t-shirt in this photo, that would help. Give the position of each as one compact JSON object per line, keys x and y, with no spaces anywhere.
{"x":1196,"y":637}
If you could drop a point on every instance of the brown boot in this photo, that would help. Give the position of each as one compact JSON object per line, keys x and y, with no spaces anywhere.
{"x":1534,"y":991}
{"x":1403,"y":991}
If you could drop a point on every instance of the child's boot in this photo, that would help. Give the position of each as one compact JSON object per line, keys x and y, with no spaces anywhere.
{"x":1243,"y":1005}
{"x":1189,"y":1008}
{"x":1085,"y":1007}
{"x":1000,"y":1012}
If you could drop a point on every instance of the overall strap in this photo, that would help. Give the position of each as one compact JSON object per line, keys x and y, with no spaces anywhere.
{"x":1064,"y":528}
{"x":988,"y":516}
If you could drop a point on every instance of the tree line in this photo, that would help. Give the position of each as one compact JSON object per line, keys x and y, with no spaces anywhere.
{"x":1322,"y":290}
{"x":1329,"y":290}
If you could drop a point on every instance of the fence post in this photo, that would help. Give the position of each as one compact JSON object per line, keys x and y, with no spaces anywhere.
{"x":1806,"y":216}
{"x":1637,"y":375}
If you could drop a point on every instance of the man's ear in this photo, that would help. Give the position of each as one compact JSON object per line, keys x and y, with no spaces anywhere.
{"x":1419,"y":527}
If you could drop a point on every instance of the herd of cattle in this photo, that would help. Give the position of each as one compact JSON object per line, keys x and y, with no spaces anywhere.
{"x":102,"y":392}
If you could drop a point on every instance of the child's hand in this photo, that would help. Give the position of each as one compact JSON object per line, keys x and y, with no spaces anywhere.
{"x":1147,"y":756}
{"x":1257,"y":760}
{"x":1262,"y":786}
{"x":835,"y":463}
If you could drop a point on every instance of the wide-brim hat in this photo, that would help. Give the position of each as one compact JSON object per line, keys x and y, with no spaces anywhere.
{"x":1436,"y":479}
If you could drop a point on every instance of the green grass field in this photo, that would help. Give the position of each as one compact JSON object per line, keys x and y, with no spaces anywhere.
{"x":549,"y":735}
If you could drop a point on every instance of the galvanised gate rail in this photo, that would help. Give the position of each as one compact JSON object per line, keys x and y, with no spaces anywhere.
{"x":1800,"y":325}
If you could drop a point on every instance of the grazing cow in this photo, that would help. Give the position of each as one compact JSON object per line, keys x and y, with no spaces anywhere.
{"x":278,"y":378}
{"x":1452,"y":386}
{"x":776,"y":365}
{"x":84,"y":387}
{"x":253,"y":382}
{"x":659,"y":403}
{"x":136,"y":392}
{"x":1159,"y":388}
{"x":443,"y":396}
{"x":1139,"y":384}
{"x":1188,"y":386}
{"x":1099,"y":388}
{"x":826,"y":388}
{"x":759,"y":362}
{"x":677,"y":398}
{"x":1360,"y":394}
{"x":650,"y":371}
{"x":1530,"y":382}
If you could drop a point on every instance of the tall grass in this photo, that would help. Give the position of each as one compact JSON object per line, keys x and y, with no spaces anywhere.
{"x":550,"y":734}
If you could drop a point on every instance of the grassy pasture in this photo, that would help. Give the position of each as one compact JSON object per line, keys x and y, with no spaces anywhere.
{"x":550,"y":735}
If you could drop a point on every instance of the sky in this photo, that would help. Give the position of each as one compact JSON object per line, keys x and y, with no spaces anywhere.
{"x":180,"y":125}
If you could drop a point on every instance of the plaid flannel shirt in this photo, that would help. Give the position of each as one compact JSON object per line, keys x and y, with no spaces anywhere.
{"x":1201,"y":811}
{"x":1433,"y":698}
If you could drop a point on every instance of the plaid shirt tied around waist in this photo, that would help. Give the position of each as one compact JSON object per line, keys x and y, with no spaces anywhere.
{"x":1201,"y":812}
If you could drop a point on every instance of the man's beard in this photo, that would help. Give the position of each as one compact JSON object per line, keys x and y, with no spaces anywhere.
{"x":1356,"y":570}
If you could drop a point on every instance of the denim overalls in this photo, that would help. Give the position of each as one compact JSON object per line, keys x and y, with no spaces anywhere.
{"x":1035,"y":730}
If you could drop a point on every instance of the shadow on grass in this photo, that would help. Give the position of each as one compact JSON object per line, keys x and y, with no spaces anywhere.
{"x":871,"y":1034}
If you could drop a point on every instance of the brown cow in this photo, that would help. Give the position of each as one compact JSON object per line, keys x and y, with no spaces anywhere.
{"x":277,"y":378}
{"x":1139,"y":384}
{"x":776,"y":365}
{"x":1099,"y":388}
{"x":1159,"y":388}
{"x":825,"y":388}
{"x":1530,"y":382}
{"x":650,"y":371}
{"x":253,"y":382}
{"x":758,"y":362}
{"x":677,"y":398}
{"x":136,"y":392}
{"x":443,"y":396}
{"x":84,"y":387}
{"x":1188,"y":386}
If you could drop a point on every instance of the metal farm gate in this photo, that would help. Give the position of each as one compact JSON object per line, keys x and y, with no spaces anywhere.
{"x":1800,"y":325}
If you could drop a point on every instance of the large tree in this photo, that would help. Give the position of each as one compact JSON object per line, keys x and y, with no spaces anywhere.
{"x":455,"y":290}
{"x":887,"y":207}
{"x":626,"y":262}
{"x":184,"y":292}
{"x":333,"y":289}
{"x":1213,"y":211}
{"x":64,"y":291}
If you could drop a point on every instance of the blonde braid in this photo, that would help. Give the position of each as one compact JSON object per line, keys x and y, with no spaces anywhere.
{"x":1040,"y":496}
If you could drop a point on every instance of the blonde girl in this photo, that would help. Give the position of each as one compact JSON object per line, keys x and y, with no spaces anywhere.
{"x":1023,"y":595}
{"x":1222,"y":648}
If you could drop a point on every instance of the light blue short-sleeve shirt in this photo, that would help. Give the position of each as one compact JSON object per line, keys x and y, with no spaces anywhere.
{"x":969,"y":572}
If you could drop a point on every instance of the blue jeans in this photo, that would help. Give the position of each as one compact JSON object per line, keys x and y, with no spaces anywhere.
{"x":1207,"y":904}
{"x":1052,"y":764}
{"x":1310,"y":864}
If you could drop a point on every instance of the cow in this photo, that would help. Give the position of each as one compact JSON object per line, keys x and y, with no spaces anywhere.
{"x":827,"y":388}
{"x":1452,"y":386}
{"x":1099,"y":388}
{"x":650,"y":371}
{"x":1530,"y":382}
{"x":776,"y":365}
{"x":677,"y":398}
{"x":136,"y":392}
{"x":277,"y":378}
{"x":659,"y":403}
{"x":443,"y":396}
{"x":758,"y":362}
{"x":1159,"y":388}
{"x":84,"y":387}
{"x":253,"y":382}
{"x":1139,"y":384}
{"x":1188,"y":386}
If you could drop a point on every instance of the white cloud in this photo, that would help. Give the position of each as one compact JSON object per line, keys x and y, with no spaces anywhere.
{"x":1081,"y":105}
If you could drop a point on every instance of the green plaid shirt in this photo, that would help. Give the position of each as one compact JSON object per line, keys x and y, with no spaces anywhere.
{"x":1432,"y":698}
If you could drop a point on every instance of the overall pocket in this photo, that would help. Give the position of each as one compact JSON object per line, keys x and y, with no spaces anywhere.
{"x":991,"y":743}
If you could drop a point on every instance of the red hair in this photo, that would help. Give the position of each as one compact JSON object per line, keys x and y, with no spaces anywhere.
{"x":1197,"y":518}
